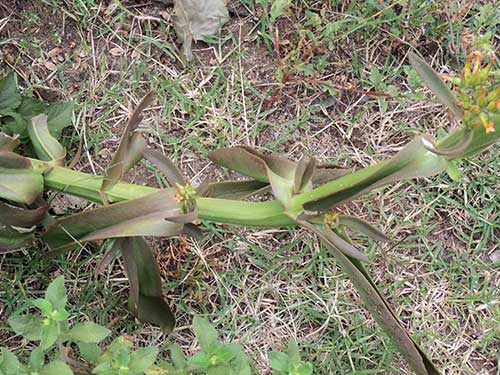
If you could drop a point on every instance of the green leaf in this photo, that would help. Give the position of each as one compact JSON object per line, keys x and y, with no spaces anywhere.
{"x":130,"y":149}
{"x":363,"y":227}
{"x":17,"y":225}
{"x":219,"y":370}
{"x":56,"y":367}
{"x":282,"y":189}
{"x":205,"y":333}
{"x":293,"y":353}
{"x":454,"y":172}
{"x":200,"y":360}
{"x":56,"y":293}
{"x":37,"y":358}
{"x":379,"y":308}
{"x":142,"y":359}
{"x":414,"y":160}
{"x":278,"y":8}
{"x":342,"y":245}
{"x":302,"y":369}
{"x":26,"y":325}
{"x":278,"y":361}
{"x":44,"y":306}
{"x":88,"y":332}
{"x":198,"y":19}
{"x":436,"y":84}
{"x":59,"y":116}
{"x":9,"y":364}
{"x":144,"y":216}
{"x":10,"y":98}
{"x":232,"y":189}
{"x":166,"y":167}
{"x":90,"y":352}
{"x":49,"y":335}
{"x":151,"y":306}
{"x":19,"y":182}
{"x":8,"y":143}
{"x":178,"y":357}
{"x":225,"y":353}
{"x":46,"y":146}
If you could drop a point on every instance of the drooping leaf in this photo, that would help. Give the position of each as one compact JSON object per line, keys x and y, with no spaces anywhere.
{"x":240,"y":160}
{"x":137,"y":217}
{"x":363,"y":227}
{"x":198,"y":19}
{"x":436,"y":84}
{"x":166,"y":167}
{"x":45,"y":145}
{"x":344,"y":246}
{"x":8,"y":143}
{"x":18,"y":181}
{"x":109,"y":256}
{"x":10,"y":97}
{"x":379,"y":308}
{"x":130,"y":149}
{"x":151,"y":307}
{"x":21,"y":217}
{"x":127,"y":250}
{"x":414,"y":160}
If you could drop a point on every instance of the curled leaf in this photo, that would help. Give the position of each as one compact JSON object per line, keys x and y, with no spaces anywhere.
{"x":130,"y":149}
{"x":46,"y":146}
{"x":8,"y":143}
{"x":454,"y":151}
{"x":166,"y":167}
{"x":19,"y":182}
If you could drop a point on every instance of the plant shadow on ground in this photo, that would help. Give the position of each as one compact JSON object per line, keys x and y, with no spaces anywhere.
{"x":291,"y":86}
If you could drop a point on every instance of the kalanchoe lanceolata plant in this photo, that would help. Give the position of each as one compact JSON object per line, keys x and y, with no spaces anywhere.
{"x":307,"y":194}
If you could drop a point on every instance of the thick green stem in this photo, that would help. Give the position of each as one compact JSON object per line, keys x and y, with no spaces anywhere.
{"x":244,"y":213}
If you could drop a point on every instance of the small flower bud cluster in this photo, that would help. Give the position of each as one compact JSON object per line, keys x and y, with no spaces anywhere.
{"x":478,"y":101}
{"x":330,"y":218}
{"x":185,"y":194}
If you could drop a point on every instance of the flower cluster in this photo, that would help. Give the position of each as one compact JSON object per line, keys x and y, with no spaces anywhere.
{"x":186,"y":195}
{"x":478,"y":102}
